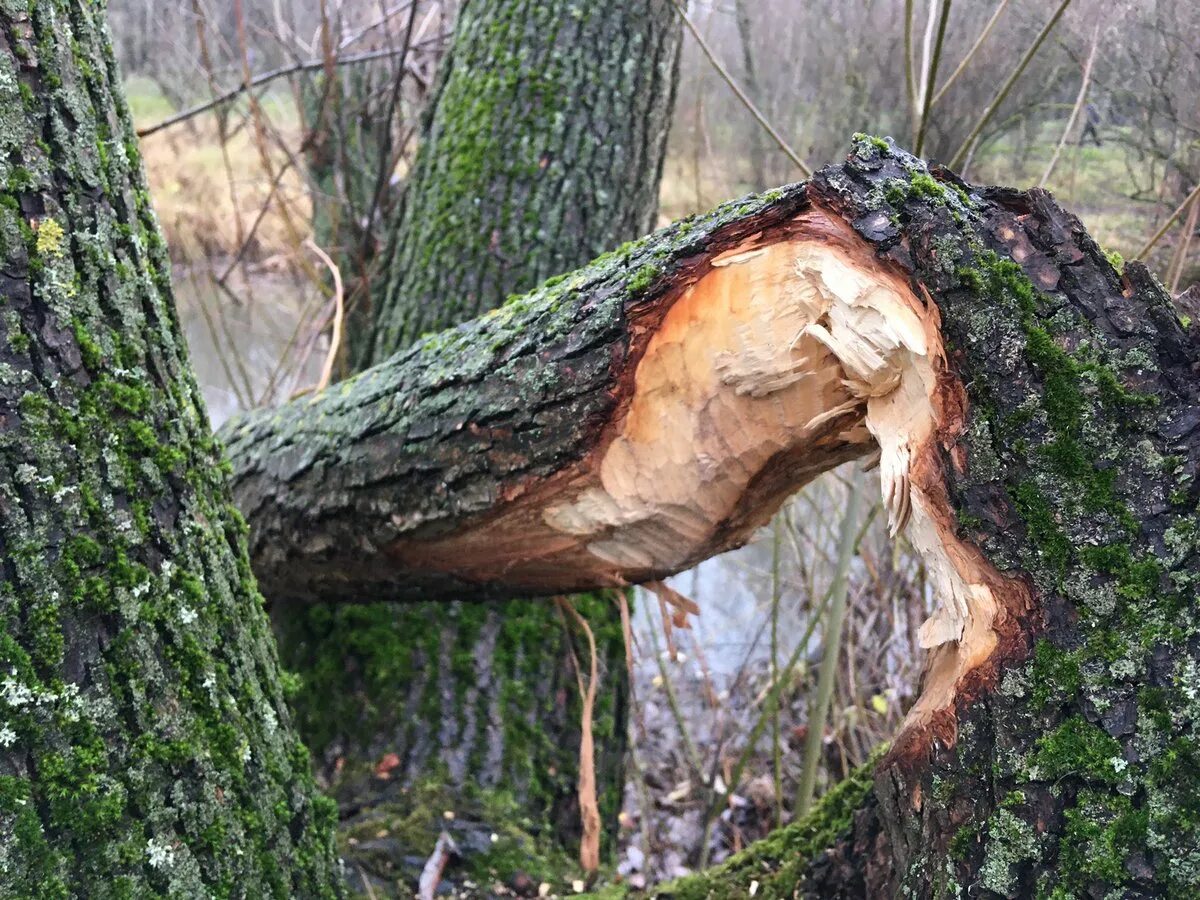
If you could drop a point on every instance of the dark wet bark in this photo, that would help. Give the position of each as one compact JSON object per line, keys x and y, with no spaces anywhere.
{"x":145,"y":744}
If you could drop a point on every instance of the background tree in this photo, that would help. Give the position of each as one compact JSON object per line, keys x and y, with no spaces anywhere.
{"x":542,"y":147}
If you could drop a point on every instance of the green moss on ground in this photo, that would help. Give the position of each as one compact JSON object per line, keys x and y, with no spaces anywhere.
{"x":775,"y":865}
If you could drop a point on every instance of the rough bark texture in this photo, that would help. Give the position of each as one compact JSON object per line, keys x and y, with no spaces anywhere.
{"x":1059,"y":759}
{"x":543,"y":146}
{"x":544,"y":149}
{"x":145,"y":745}
{"x":347,"y":490}
{"x":1066,"y":765}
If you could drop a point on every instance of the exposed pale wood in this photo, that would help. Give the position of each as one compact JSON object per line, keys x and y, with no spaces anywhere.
{"x":783,"y":360}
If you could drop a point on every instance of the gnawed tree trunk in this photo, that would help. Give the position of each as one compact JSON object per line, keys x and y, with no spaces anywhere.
{"x":1036,"y":416}
{"x":543,"y":147}
{"x":145,"y":745}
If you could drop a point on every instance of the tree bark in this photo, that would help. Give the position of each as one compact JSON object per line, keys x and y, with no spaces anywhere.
{"x":145,"y":744}
{"x":1035,"y":414}
{"x":544,"y":149}
{"x":543,"y":146}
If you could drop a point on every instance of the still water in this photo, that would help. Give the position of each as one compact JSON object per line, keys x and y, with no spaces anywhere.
{"x":255,"y":345}
{"x":246,"y":345}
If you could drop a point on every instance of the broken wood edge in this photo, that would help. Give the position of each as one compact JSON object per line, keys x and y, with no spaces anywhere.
{"x":771,"y":360}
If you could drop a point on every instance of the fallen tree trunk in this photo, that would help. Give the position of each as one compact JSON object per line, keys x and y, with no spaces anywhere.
{"x":518,"y":422}
{"x":481,"y":697}
{"x":1035,"y":412}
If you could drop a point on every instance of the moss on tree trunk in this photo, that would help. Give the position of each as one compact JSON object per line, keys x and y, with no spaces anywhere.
{"x":543,"y":148}
{"x":145,"y":744}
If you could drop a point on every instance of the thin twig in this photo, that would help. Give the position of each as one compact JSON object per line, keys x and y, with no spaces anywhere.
{"x":923,"y":86}
{"x":256,"y":81}
{"x":262,"y":214}
{"x":335,"y":339}
{"x":366,"y":884}
{"x":1079,"y":99}
{"x":1002,"y":93}
{"x":931,"y":77}
{"x":431,"y":874}
{"x":589,"y":810}
{"x":1167,"y":224}
{"x":970,"y":53}
{"x":285,"y":354}
{"x":776,"y":599}
{"x":1185,"y":246}
{"x":910,"y":78}
{"x":819,"y":711}
{"x":689,"y":748}
{"x":741,"y":95}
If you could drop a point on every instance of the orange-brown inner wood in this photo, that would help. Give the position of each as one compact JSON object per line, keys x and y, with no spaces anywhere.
{"x":775,"y":361}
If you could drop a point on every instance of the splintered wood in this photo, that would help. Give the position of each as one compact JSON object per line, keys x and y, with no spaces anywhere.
{"x":785,"y":357}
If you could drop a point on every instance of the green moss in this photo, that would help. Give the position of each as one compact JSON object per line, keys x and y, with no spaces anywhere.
{"x":1078,"y":748}
{"x":1102,"y":830}
{"x":779,"y":861}
{"x":1043,"y":528}
{"x":643,"y":278}
{"x":964,"y":842}
{"x":1055,"y":673}
{"x":923,"y":185}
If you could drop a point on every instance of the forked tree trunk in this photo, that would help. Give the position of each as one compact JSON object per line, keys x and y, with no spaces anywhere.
{"x":1035,"y":413}
{"x":543,"y":147}
{"x":145,"y":745}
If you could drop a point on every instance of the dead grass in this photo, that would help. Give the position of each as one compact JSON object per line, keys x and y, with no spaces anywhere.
{"x":208,"y":204}
{"x":208,"y":201}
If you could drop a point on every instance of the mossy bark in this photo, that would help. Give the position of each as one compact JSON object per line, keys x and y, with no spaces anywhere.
{"x":542,"y":147}
{"x":1068,"y":765}
{"x":146,"y":748}
{"x":443,"y":434}
{"x":1065,"y":763}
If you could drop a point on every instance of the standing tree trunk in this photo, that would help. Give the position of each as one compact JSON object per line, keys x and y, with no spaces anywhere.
{"x":1036,"y":414}
{"x":543,"y":147}
{"x":145,"y":745}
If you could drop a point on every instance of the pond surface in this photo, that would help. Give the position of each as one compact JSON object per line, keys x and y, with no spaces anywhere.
{"x":247,"y":344}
